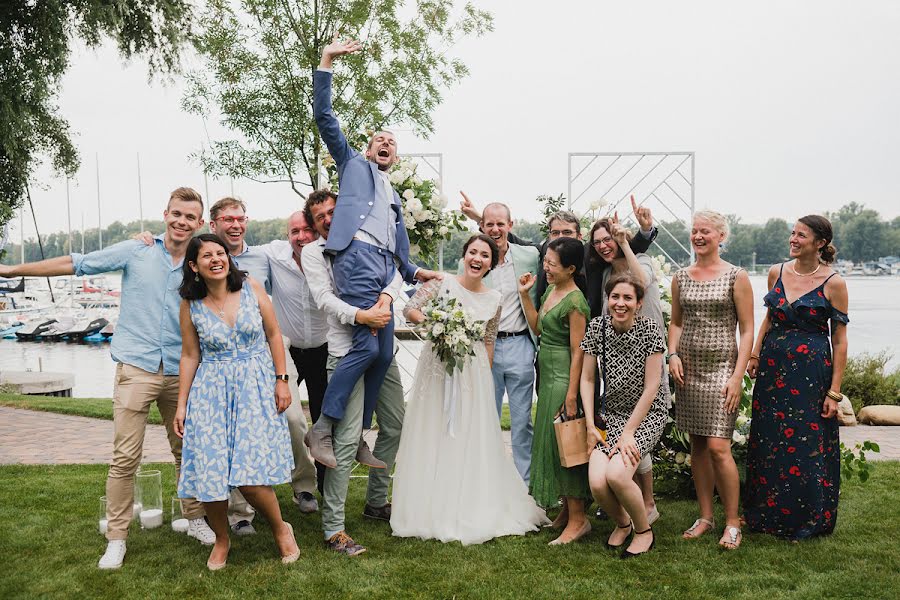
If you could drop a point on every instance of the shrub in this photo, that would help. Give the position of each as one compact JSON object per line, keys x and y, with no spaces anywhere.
{"x":866,"y":383}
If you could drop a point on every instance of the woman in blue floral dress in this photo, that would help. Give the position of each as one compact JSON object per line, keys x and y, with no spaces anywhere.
{"x":230,"y":400}
{"x":793,"y":461}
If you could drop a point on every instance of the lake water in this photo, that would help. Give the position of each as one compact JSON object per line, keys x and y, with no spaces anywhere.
{"x":874,"y":325}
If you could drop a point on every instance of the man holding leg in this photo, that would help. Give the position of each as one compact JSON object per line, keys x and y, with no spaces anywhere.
{"x":147,"y":350}
{"x":342,"y":318}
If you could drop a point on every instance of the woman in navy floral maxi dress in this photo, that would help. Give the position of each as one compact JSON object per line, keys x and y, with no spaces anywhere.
{"x":793,"y":461}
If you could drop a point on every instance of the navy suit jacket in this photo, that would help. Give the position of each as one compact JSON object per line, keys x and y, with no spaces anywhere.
{"x":358,"y":179}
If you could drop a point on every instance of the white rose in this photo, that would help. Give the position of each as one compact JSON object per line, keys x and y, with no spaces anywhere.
{"x":442,"y":200}
{"x":687,"y":460}
{"x":409,"y":194}
{"x":598,"y":204}
{"x":739,"y":438}
{"x":414,"y":204}
{"x":427,"y":215}
{"x":679,"y":458}
{"x":443,"y":230}
{"x":666,"y":307}
{"x":416,"y":180}
{"x":413,"y":249}
{"x":420,"y":215}
{"x":396,"y":177}
{"x":741,"y":421}
{"x":438,"y":329}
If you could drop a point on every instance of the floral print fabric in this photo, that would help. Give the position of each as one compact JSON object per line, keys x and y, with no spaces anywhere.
{"x":233,"y":434}
{"x":793,"y":461}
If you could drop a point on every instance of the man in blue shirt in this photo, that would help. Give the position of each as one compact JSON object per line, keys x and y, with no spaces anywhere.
{"x":147,"y":348}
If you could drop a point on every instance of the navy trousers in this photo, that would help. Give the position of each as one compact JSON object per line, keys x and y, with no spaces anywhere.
{"x":361,"y":272}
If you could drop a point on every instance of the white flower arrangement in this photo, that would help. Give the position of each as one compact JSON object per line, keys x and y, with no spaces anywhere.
{"x":423,"y":211}
{"x":452,"y":331}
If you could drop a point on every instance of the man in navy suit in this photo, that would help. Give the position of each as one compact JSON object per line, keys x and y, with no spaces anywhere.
{"x":368,"y":241}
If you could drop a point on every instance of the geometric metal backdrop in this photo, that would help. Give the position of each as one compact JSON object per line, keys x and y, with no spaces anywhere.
{"x":662,"y":181}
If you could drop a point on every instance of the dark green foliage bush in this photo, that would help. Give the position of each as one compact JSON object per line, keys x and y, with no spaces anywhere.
{"x":866,"y":383}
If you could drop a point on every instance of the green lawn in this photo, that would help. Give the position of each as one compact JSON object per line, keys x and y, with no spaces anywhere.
{"x":98,"y":408}
{"x":101,"y":408}
{"x":50,"y":547}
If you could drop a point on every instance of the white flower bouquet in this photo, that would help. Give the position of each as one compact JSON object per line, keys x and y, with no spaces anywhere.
{"x":452,"y":331}
{"x":427,"y":221}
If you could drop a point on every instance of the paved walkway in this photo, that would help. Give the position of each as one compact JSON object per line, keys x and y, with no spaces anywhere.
{"x":43,"y":438}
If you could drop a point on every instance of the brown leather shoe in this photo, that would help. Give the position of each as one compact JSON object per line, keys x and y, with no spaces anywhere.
{"x":364,"y":456}
{"x":381,"y":513}
{"x":344,"y":544}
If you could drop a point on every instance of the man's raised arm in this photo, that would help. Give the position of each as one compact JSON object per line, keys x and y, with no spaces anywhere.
{"x":329,"y":127}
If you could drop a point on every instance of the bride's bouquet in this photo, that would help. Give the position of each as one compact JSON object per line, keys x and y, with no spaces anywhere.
{"x":452,"y":330}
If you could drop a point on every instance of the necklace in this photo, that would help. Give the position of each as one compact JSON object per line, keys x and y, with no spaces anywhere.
{"x":813,"y":272}
{"x":221,"y":312}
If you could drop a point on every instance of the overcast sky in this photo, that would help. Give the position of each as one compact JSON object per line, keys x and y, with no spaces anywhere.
{"x":790,"y":107}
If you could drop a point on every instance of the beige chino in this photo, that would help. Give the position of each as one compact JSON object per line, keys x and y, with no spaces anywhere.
{"x":134,"y":391}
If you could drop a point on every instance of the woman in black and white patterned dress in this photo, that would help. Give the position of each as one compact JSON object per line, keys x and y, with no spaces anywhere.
{"x":629,"y":349}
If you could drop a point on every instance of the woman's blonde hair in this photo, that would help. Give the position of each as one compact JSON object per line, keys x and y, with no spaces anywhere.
{"x":717,"y":219}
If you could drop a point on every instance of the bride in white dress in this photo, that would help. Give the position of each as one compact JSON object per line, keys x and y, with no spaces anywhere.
{"x":454,"y":480}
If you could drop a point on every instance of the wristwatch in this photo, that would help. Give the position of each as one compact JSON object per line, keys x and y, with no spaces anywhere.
{"x":283,"y":377}
{"x":670,"y":355}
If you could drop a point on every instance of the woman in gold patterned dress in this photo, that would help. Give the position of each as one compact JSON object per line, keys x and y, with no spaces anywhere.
{"x":710,"y":299}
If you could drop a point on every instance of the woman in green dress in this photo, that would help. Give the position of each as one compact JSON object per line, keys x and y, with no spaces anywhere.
{"x":560,"y":324}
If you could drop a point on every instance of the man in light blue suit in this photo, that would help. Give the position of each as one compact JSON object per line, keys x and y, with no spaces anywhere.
{"x":368,"y":241}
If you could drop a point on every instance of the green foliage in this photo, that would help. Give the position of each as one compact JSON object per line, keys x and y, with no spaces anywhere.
{"x":866,"y":383}
{"x":853,"y":461}
{"x":859,"y":235}
{"x":259,"y":58}
{"x":35,"y":44}
{"x":550,"y":206}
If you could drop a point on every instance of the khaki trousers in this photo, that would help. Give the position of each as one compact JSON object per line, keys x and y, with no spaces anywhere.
{"x":303,"y":477}
{"x":389,"y":410}
{"x":134,"y":391}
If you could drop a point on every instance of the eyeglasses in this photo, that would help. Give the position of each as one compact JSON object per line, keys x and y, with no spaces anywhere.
{"x":232,"y":220}
{"x":555,"y":233}
{"x":598,"y":243}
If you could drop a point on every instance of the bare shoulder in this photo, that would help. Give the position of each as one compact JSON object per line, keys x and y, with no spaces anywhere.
{"x":836,"y":284}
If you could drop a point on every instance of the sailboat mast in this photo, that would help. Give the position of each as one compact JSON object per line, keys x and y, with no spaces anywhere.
{"x":99,"y":216}
{"x":140,"y":196}
{"x":69,"y":224}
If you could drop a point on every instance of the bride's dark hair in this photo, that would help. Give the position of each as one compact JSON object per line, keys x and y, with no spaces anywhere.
{"x":495,"y":251}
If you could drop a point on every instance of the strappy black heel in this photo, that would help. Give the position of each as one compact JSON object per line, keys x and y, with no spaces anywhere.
{"x":627,"y":554}
{"x":629,"y":526}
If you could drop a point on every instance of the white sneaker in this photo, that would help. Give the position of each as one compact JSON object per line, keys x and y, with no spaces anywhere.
{"x":115,"y":554}
{"x":198,"y":528}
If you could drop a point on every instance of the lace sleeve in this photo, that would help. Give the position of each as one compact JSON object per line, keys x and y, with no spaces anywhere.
{"x":425,"y":293}
{"x":491,"y":328}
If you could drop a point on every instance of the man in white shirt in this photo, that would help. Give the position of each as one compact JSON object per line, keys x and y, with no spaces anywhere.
{"x":341,"y":318}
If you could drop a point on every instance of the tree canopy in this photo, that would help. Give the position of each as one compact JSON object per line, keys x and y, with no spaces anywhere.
{"x":36,"y":38}
{"x":260,"y":56}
